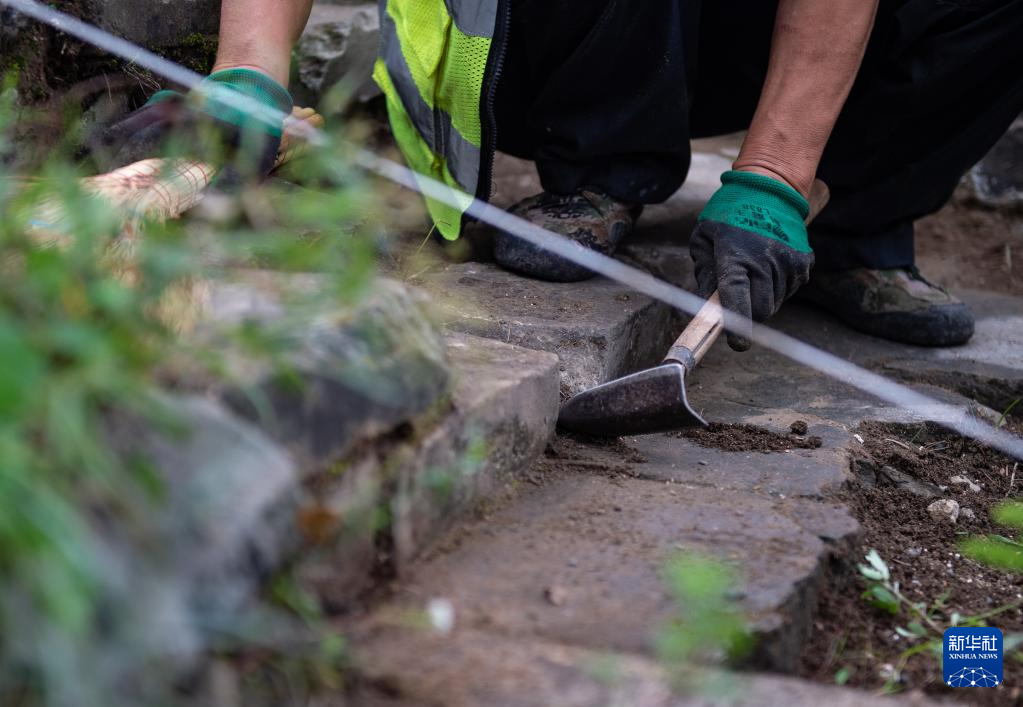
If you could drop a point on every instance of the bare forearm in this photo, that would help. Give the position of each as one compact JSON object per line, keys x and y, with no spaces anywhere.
{"x":259,"y":34}
{"x":816,"y":51}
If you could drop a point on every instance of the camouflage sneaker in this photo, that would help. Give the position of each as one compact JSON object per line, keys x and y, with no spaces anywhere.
{"x":899,"y":305}
{"x":589,"y":218}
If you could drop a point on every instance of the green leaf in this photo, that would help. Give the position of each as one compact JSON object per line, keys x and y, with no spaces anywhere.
{"x":878,"y":564}
{"x":882,"y":598}
{"x":917,"y":628}
{"x":871,"y":573}
{"x":843,"y":674}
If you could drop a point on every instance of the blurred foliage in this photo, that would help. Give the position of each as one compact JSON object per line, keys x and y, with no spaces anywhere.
{"x":708,"y":631}
{"x":81,"y":343}
{"x":998,"y":550}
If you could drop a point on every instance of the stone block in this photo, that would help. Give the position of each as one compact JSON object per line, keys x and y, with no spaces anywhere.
{"x":600,"y":330}
{"x":223,"y":520}
{"x":996,"y":179}
{"x":338,"y":46}
{"x":505,"y":406}
{"x":605,"y":541}
{"x":472,"y":667}
{"x":356,"y":373}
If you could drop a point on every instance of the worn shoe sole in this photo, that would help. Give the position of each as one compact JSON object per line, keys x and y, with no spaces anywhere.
{"x":517,"y":255}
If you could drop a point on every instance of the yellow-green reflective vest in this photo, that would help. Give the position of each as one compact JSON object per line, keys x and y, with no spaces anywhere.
{"x":437,"y":67}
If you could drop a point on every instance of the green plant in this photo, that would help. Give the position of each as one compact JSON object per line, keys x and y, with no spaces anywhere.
{"x":83,"y":345}
{"x":1006,"y":412}
{"x":925,"y":622}
{"x":708,"y":630}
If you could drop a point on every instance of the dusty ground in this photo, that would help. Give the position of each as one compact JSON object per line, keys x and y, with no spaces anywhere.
{"x":925,"y":558}
{"x":968,"y":246}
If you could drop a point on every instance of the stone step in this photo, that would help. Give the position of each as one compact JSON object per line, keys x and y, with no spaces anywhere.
{"x":503,"y":410}
{"x":393,"y":420}
{"x":400,"y":666}
{"x":599,"y":330}
{"x":604,"y":540}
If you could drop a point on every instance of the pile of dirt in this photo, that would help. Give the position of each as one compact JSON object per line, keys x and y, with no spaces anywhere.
{"x":748,"y":438}
{"x":903,"y":470}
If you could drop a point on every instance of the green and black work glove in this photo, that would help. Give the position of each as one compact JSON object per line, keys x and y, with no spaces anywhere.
{"x":210,"y":125}
{"x":750,"y":244}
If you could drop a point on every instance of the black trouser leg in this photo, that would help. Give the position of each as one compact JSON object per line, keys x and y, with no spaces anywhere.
{"x":944,"y":82}
{"x":607,"y":96}
{"x":595,"y":93}
{"x":940,"y":83}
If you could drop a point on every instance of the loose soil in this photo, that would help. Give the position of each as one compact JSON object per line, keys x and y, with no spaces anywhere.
{"x":747,"y":438}
{"x":577,"y":453}
{"x":924,"y":557}
{"x":968,"y":245}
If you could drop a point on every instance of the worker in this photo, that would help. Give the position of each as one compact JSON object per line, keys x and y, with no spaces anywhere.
{"x":889,"y":102}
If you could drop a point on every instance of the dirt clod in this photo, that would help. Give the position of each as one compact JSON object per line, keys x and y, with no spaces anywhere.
{"x":799,"y":427}
{"x":746,"y":438}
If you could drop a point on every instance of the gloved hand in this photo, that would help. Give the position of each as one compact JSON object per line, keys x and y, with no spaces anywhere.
{"x":205,"y":124}
{"x":750,"y":244}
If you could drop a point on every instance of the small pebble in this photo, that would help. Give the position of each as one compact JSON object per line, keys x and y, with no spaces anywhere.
{"x":442,"y":615}
{"x":573,"y":562}
{"x":964,"y":481}
{"x":618,"y":509}
{"x":913,"y":552}
{"x":555,"y":595}
{"x":799,"y":427}
{"x":945,"y":510}
{"x":967,"y":514}
{"x":702,"y":463}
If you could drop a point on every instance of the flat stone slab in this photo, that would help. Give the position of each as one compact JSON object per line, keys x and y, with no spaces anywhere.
{"x":472,"y":668}
{"x":600,"y":330}
{"x":604,"y":540}
{"x":987,"y":371}
{"x":765,"y":388}
{"x":798,"y":472}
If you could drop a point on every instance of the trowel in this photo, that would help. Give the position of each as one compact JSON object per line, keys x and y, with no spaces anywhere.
{"x":655,"y":400}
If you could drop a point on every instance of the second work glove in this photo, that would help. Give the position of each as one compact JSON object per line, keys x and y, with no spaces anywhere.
{"x":209,"y":124}
{"x":750,"y":244}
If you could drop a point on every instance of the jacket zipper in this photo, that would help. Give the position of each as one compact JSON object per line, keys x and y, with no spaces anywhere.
{"x":491,"y":76}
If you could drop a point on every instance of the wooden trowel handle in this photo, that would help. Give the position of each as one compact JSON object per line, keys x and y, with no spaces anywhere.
{"x":690,"y":348}
{"x":699,"y":336}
